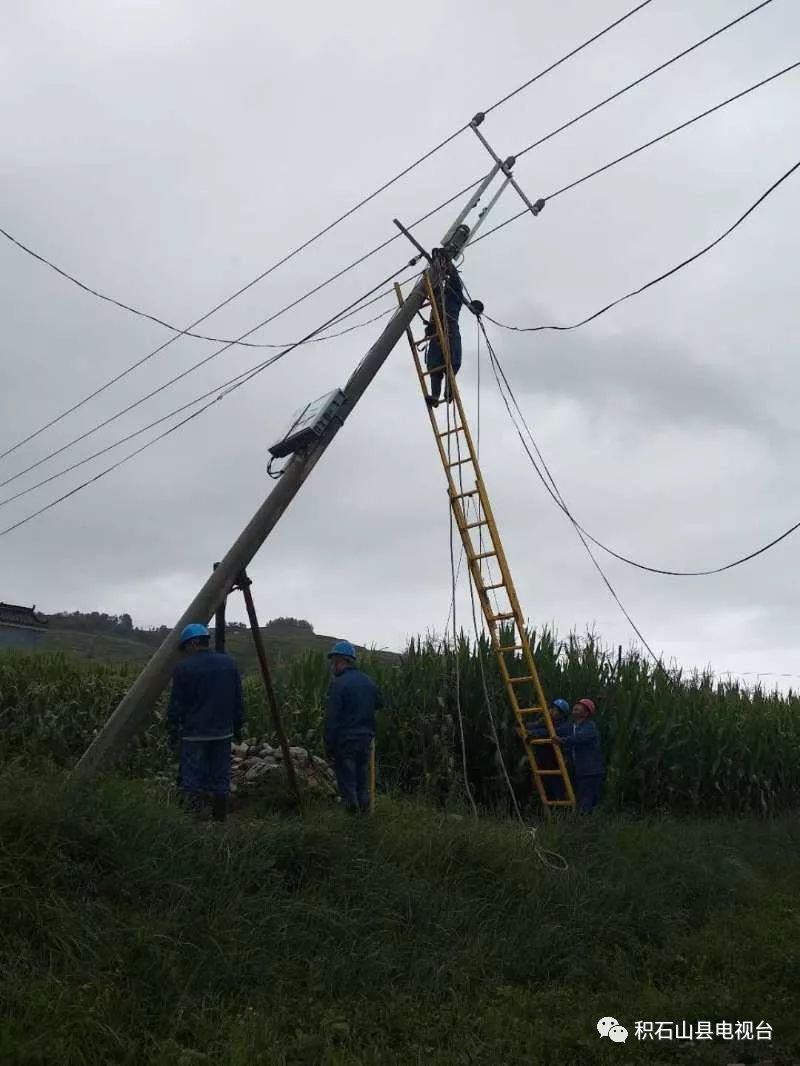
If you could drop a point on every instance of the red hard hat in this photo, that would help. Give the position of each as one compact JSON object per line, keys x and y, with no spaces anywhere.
{"x":589,"y":705}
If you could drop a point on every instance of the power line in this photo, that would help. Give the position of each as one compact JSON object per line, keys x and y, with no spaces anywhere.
{"x":172,"y":381}
{"x":645,"y":77}
{"x":297,"y":250}
{"x":154,"y":318}
{"x":569,"y":55}
{"x":661,"y":277}
{"x":225,"y":385}
{"x":389,"y":241}
{"x":642,"y":147}
{"x":232,"y":385}
{"x":559,"y":500}
{"x":489,"y":233}
{"x":556,"y":495}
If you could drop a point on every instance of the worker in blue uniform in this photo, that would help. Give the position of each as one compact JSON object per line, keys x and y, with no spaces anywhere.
{"x":554,"y":785}
{"x":205,"y":713}
{"x":582,"y":742}
{"x":353,"y":699}
{"x":449,"y":300}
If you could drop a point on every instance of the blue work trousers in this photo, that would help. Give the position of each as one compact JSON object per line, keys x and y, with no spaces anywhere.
{"x":587,"y":792}
{"x":435,"y":358}
{"x":351,"y":765}
{"x":205,"y":766}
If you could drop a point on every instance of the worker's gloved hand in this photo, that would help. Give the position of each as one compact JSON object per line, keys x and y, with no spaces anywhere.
{"x":476,"y":307}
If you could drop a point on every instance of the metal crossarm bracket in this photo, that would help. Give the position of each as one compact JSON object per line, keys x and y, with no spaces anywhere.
{"x":505,"y":166}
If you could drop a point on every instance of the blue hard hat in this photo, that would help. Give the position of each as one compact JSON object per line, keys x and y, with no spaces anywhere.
{"x":343,"y":648}
{"x":561,"y":705}
{"x":194,"y":629}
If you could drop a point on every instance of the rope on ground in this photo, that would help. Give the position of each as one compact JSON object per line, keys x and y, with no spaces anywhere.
{"x":453,"y":577}
{"x":542,"y":854}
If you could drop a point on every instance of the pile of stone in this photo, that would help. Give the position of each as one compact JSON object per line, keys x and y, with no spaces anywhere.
{"x":258,"y":768}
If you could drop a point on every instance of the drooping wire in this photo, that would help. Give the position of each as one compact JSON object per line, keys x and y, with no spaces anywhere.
{"x":227,"y":388}
{"x":300,"y":248}
{"x":160,"y":321}
{"x":172,"y":381}
{"x":557,"y":495}
{"x":515,"y":217}
{"x":559,"y":500}
{"x":661,"y":277}
{"x":245,"y":374}
{"x":445,"y":355}
{"x":532,"y":329}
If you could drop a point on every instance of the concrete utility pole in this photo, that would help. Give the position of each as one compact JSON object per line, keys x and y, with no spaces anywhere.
{"x":138,"y":702}
{"x":219,"y":624}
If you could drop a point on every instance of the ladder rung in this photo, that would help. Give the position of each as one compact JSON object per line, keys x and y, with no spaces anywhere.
{"x":474,"y":525}
{"x":519,"y":680}
{"x":447,"y":432}
{"x":511,"y":647}
{"x":559,"y":803}
{"x":463,"y":495}
{"x":488,"y":555}
{"x":548,"y":773}
{"x":502,"y":585}
{"x":539,"y":740}
{"x":436,"y":370}
{"x":499,"y":617}
{"x":530,"y":710}
{"x":459,"y":462}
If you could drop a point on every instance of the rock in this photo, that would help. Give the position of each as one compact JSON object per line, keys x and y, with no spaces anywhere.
{"x":259,"y":769}
{"x":239,"y":750}
{"x":299,"y":754}
{"x":266,"y":749}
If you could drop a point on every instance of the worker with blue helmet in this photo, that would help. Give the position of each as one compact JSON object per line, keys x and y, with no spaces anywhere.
{"x":205,"y":713}
{"x":545,"y":755}
{"x":353,"y":699}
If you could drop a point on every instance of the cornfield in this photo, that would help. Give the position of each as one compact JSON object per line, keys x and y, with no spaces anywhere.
{"x":673,"y":741}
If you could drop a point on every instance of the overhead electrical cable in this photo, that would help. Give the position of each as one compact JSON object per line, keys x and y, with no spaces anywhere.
{"x":300,"y":248}
{"x":489,"y":233}
{"x":648,"y":144}
{"x":222,"y":391}
{"x":559,"y":500}
{"x":661,"y":277}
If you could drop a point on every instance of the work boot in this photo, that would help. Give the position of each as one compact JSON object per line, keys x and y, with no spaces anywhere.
{"x":432,"y":401}
{"x":219,"y":808}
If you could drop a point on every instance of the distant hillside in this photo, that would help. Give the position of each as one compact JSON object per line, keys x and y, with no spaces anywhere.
{"x":282,"y":638}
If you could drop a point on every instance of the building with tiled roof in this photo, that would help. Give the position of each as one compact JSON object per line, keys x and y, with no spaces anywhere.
{"x":20,"y":627}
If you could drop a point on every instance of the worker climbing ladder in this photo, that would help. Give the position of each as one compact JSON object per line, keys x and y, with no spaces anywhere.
{"x":498,"y":598}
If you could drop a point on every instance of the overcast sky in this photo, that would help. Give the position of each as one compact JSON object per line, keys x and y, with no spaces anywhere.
{"x":167,"y":153}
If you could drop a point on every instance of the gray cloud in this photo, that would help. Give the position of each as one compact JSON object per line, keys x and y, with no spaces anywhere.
{"x":168,"y":154}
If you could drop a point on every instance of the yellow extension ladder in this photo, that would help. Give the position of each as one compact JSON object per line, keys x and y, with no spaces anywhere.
{"x":505,"y":621}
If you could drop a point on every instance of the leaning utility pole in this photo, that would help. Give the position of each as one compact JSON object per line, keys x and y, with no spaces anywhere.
{"x":145,"y":691}
{"x":139,"y":700}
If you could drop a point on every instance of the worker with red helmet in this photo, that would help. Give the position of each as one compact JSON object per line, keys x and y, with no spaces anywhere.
{"x":582,"y":741}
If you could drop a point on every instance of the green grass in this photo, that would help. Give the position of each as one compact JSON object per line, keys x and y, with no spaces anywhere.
{"x":130,"y":935}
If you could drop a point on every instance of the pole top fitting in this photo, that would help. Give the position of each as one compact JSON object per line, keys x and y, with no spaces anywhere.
{"x":537,"y":207}
{"x":457,"y":240}
{"x":477,"y":120}
{"x":509,"y":163}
